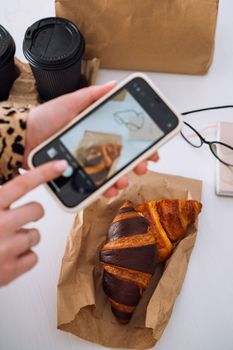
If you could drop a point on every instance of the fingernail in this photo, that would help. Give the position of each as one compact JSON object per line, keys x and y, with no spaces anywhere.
{"x":60,"y":165}
{"x":112,"y":82}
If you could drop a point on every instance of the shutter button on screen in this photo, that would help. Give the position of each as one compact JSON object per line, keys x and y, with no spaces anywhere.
{"x":82,"y":183}
{"x":68,"y":172}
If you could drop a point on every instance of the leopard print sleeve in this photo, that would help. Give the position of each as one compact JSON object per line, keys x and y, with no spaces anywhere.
{"x":12,"y":139}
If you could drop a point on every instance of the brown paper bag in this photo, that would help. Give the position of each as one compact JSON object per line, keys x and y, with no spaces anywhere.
{"x":83,"y":308}
{"x":24,"y":91}
{"x":162,"y":35}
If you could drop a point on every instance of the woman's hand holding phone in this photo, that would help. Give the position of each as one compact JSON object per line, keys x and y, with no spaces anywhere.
{"x":48,"y":118}
{"x":115,"y":129}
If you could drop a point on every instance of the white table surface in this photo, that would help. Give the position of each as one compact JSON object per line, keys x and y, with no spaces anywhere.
{"x":202,"y":317}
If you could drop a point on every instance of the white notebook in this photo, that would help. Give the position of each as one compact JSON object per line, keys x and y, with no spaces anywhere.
{"x":224,"y":174}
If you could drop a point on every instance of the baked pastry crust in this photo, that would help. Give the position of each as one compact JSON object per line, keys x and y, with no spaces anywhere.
{"x":138,"y":239}
{"x":97,"y":160}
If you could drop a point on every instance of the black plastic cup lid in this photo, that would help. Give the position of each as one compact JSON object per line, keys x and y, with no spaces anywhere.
{"x":7,"y":46}
{"x":53,"y":43}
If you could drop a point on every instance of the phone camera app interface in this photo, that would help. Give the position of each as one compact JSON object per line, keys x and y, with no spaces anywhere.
{"x":109,"y":138}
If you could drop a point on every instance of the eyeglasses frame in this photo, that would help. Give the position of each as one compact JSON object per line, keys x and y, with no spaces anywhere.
{"x":209,"y":143}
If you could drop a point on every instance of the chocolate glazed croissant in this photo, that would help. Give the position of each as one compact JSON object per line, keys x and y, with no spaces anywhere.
{"x":97,"y":160}
{"x":137,"y":240}
{"x":129,"y":258}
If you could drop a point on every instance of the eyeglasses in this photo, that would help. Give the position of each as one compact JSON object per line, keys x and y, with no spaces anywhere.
{"x":222,"y":151}
{"x":133,"y":120}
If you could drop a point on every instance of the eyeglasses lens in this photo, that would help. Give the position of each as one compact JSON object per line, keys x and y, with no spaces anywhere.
{"x":223,"y":152}
{"x":191,"y":136}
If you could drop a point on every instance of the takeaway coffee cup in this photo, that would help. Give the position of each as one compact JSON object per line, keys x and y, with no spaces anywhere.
{"x":54,"y":48}
{"x":8,"y":71}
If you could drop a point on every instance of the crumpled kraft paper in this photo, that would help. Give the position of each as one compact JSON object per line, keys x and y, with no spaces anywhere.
{"x":83,"y":308}
{"x":24,"y":91}
{"x":162,"y":35}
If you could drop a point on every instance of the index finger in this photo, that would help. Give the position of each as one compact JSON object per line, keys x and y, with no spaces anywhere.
{"x":23,"y":184}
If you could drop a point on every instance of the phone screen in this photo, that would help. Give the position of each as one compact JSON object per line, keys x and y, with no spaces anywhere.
{"x":107,"y":139}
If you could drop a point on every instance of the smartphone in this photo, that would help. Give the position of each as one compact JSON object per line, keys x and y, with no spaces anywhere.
{"x":107,"y":140}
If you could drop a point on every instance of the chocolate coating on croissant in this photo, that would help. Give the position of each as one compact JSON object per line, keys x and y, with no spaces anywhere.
{"x":99,"y":176}
{"x":142,"y":259}
{"x":127,"y":227}
{"x":93,"y":161}
{"x":122,"y":291}
{"x":124,"y":317}
{"x":126,"y":210}
{"x":91,"y":156}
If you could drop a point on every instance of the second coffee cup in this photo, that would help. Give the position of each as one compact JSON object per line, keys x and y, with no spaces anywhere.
{"x":8,"y":71}
{"x":54,"y":48}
